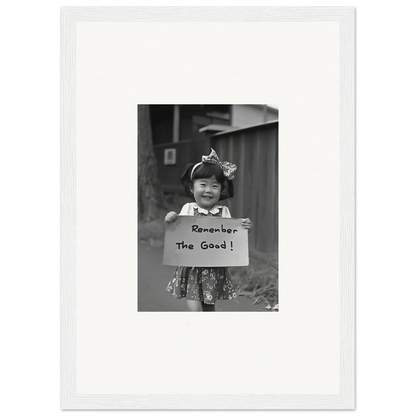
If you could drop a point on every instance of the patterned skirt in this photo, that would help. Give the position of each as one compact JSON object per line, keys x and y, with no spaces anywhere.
{"x":205,"y":284}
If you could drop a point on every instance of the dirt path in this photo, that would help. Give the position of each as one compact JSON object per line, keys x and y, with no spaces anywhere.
{"x":154,"y":277}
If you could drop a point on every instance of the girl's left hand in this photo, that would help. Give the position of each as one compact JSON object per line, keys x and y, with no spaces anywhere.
{"x":246,"y":223}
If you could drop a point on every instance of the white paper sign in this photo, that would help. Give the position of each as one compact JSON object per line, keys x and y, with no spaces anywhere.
{"x":206,"y":241}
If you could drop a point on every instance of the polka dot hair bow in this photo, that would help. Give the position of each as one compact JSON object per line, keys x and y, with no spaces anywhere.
{"x":228,"y":168}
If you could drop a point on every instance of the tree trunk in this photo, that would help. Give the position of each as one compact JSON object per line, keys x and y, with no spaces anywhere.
{"x":151,"y":199}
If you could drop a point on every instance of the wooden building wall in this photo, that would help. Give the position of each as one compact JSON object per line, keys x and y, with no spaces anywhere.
{"x":189,"y":151}
{"x":255,"y":152}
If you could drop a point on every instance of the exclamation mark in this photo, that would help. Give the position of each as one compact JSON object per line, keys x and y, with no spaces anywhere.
{"x":231,"y":245}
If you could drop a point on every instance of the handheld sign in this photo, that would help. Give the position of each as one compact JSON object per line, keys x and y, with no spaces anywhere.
{"x":205,"y":242}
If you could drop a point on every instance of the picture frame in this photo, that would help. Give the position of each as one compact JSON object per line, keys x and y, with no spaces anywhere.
{"x":113,"y":357}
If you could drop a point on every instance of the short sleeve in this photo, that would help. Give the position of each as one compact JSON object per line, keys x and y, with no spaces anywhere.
{"x":187,"y":210}
{"x":226,"y":212}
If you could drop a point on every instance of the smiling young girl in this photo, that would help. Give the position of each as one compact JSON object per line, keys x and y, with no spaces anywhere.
{"x":207,"y":183}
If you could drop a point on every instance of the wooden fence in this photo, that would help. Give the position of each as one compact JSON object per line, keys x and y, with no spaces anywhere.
{"x":255,"y":152}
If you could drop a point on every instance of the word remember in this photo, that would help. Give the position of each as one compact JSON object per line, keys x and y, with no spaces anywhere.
{"x":205,"y":245}
{"x":197,"y":229}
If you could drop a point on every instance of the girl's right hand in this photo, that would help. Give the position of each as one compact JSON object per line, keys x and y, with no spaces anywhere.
{"x":171,"y":216}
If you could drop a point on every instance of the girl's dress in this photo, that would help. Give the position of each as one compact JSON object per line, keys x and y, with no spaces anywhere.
{"x":205,"y":284}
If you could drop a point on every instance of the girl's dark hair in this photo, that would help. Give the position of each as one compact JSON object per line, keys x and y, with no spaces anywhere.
{"x":206,"y":170}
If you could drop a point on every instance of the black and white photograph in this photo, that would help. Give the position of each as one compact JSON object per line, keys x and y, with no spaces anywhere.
{"x":208,"y":167}
{"x":208,"y":161}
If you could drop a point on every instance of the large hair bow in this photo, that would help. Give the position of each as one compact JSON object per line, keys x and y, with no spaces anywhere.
{"x":228,"y":168}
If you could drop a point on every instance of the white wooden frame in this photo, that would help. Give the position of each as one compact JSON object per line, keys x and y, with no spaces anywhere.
{"x":97,"y":237}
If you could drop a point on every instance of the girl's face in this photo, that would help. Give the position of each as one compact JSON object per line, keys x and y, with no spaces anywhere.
{"x":206,"y":191}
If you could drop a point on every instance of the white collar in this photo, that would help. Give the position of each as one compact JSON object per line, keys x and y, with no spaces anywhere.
{"x":214,"y":210}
